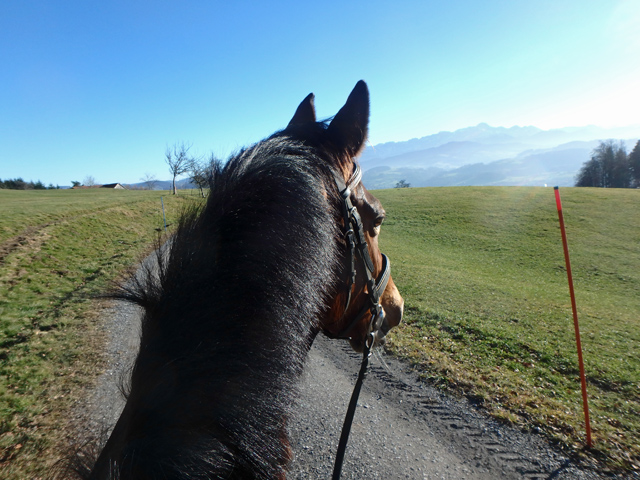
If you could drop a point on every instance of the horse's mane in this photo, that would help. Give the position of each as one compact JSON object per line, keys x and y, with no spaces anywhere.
{"x":273,"y":202}
{"x":235,"y":298}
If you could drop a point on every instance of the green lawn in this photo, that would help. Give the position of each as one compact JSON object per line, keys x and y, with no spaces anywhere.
{"x":482,"y":272}
{"x":488,"y":312}
{"x":58,"y":250}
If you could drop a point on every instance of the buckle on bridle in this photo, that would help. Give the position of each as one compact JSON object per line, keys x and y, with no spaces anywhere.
{"x":377,"y":317}
{"x":369,"y":341}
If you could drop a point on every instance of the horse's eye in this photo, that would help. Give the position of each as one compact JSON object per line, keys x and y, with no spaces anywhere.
{"x":379,"y":221}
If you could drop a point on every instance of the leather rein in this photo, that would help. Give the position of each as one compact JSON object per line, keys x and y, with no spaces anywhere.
{"x":357,"y":247}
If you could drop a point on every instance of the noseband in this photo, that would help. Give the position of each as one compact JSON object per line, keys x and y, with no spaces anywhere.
{"x":357,"y":247}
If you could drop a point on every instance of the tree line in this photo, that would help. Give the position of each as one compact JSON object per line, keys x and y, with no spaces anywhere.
{"x":611,"y":167}
{"x":20,"y":184}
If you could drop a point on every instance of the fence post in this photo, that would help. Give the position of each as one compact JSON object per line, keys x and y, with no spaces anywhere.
{"x":583,"y":380}
{"x":164,"y":219}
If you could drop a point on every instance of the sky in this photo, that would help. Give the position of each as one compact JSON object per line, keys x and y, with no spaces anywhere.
{"x":101,"y":89}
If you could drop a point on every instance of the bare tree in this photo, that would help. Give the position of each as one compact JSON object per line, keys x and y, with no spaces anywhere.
{"x":149,"y":180}
{"x":177,"y":157}
{"x":200,"y":171}
{"x":89,"y":181}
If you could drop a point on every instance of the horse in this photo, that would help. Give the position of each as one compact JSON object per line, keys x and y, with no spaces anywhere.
{"x":285,"y":247}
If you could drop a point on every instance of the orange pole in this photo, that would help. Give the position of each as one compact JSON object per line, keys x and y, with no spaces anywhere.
{"x":583,"y":380}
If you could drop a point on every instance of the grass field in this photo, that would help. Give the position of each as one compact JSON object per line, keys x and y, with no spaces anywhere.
{"x":58,"y":250}
{"x":482,"y":272}
{"x":488,"y":310}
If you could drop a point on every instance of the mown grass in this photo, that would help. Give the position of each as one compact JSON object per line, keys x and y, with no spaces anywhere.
{"x":488,"y":312}
{"x":58,"y":251}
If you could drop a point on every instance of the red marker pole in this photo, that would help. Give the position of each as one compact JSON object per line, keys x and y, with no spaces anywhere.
{"x":583,"y":380}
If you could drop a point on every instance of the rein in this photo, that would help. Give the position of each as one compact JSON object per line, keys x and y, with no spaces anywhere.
{"x":351,"y":410}
{"x":357,"y":245}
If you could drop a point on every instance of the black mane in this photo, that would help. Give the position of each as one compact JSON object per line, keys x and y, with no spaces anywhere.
{"x":235,"y":298}
{"x":255,"y":264}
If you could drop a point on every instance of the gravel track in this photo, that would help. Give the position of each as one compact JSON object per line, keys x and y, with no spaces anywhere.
{"x":403,"y":429}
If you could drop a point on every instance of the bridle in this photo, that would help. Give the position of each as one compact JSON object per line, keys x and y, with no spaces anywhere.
{"x":357,"y":247}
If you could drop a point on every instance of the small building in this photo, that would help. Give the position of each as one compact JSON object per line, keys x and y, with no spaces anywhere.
{"x":116,"y":186}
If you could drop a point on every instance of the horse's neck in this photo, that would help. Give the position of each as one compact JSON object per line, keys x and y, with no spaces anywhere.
{"x":225,"y":339}
{"x":234,"y":394}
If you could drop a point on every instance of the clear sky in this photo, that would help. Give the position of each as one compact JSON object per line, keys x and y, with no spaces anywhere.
{"x":102,"y":88}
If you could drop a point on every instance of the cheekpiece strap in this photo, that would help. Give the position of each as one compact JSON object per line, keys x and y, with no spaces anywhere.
{"x":357,"y":246}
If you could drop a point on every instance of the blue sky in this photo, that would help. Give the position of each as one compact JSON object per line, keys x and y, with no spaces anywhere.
{"x":102,"y":88}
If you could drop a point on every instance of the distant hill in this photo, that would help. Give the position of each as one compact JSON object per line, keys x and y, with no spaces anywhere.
{"x":479,"y":155}
{"x":165,"y":184}
{"x":485,"y":155}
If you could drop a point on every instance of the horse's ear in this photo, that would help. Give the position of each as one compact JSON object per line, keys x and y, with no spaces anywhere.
{"x":306,"y":112}
{"x":349,"y":127}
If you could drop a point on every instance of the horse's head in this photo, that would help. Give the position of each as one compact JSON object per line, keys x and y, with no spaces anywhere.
{"x":366,"y":304}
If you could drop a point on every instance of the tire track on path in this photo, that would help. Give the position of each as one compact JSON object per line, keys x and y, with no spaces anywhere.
{"x":403,"y":429}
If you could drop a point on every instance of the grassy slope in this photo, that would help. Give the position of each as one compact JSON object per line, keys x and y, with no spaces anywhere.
{"x":488,"y":310}
{"x":481,"y":270}
{"x":58,"y":249}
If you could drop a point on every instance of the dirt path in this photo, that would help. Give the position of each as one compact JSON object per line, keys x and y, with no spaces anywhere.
{"x":405,"y":429}
{"x":402,"y":430}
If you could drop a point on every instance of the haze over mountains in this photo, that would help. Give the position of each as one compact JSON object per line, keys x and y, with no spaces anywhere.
{"x":485,"y":155}
{"x":479,"y":156}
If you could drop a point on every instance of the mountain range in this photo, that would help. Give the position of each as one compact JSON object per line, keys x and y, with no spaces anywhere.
{"x":480,"y":155}
{"x":486,"y":155}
